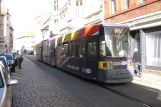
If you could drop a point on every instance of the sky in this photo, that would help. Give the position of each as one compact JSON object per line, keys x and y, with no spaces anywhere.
{"x":23,"y":13}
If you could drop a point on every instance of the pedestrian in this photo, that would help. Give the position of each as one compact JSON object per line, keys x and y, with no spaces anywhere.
{"x":137,"y":62}
{"x":19,"y":59}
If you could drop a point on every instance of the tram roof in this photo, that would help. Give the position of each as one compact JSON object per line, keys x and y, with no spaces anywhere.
{"x":118,"y":25}
{"x":110,"y":25}
{"x":85,"y":31}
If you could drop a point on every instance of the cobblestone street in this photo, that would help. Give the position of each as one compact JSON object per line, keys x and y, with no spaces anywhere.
{"x":41,"y":85}
{"x":36,"y":89}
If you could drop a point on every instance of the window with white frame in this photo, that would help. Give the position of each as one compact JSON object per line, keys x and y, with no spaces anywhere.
{"x":113,"y":6}
{"x":125,"y":4}
{"x":55,"y":20}
{"x":55,"y":5}
{"x":153,"y":48}
{"x":140,"y":1}
{"x":79,"y":8}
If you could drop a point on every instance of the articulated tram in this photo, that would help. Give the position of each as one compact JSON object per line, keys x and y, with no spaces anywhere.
{"x":99,"y":52}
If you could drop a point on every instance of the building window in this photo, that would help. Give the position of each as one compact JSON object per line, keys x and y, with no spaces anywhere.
{"x":55,"y":20}
{"x":81,"y":2}
{"x":140,"y":1}
{"x":76,"y":3}
{"x":125,"y":4}
{"x":153,"y":49}
{"x":113,"y":6}
{"x":55,"y":5}
{"x":79,"y":8}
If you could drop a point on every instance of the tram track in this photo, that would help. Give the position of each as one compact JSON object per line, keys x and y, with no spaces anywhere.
{"x":123,"y":95}
{"x":113,"y":91}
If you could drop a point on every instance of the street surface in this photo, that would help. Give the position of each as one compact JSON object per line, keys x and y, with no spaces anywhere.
{"x":41,"y":85}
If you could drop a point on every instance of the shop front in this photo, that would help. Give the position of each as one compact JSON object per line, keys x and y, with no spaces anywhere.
{"x":151,"y":49}
{"x":146,"y":34}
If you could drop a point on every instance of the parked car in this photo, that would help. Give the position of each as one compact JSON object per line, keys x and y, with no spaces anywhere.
{"x":11,"y":61}
{"x":5,"y":63}
{"x":6,"y":87}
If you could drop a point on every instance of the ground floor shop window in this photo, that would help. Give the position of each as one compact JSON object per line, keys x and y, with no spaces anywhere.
{"x":153,"y":49}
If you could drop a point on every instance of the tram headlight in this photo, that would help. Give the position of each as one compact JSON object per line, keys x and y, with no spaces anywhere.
{"x":105,"y":65}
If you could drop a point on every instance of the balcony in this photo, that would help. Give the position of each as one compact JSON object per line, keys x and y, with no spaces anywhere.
{"x":94,"y":18}
{"x":45,"y":24}
{"x":62,"y":5}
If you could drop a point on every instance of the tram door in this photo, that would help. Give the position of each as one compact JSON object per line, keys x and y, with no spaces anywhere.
{"x":51,"y":54}
{"x":41,"y":49}
{"x":92,"y":56}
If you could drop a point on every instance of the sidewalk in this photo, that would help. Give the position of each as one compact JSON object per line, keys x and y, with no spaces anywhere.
{"x":149,"y":80}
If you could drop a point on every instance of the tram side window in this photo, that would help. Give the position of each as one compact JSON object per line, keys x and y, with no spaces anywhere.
{"x":81,"y":50}
{"x":66,"y":49}
{"x":72,"y":49}
{"x":52,"y":51}
{"x":102,"y":49}
{"x":92,"y":49}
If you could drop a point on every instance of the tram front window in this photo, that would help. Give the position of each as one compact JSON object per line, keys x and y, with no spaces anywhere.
{"x":117,"y":41}
{"x":104,"y":50}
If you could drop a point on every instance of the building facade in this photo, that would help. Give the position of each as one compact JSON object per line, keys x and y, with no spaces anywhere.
{"x":54,"y":17}
{"x":48,"y":22}
{"x":6,"y":31}
{"x":75,"y":14}
{"x":96,"y":13}
{"x":26,"y":42}
{"x":3,"y":30}
{"x":144,"y":19}
{"x":9,"y":34}
{"x":69,"y":15}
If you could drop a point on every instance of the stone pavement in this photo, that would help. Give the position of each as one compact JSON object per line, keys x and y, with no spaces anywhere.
{"x":37,"y":89}
{"x":149,"y":80}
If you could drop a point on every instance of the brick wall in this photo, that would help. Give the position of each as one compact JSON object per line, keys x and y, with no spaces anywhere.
{"x":133,"y":11}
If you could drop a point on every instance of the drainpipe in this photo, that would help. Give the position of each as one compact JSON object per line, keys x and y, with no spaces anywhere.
{"x":102,"y":16}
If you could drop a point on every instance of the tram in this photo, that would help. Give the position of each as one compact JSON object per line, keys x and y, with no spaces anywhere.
{"x":99,"y":52}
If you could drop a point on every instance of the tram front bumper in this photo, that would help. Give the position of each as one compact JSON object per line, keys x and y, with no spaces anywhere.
{"x":116,"y":76}
{"x":125,"y":80}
